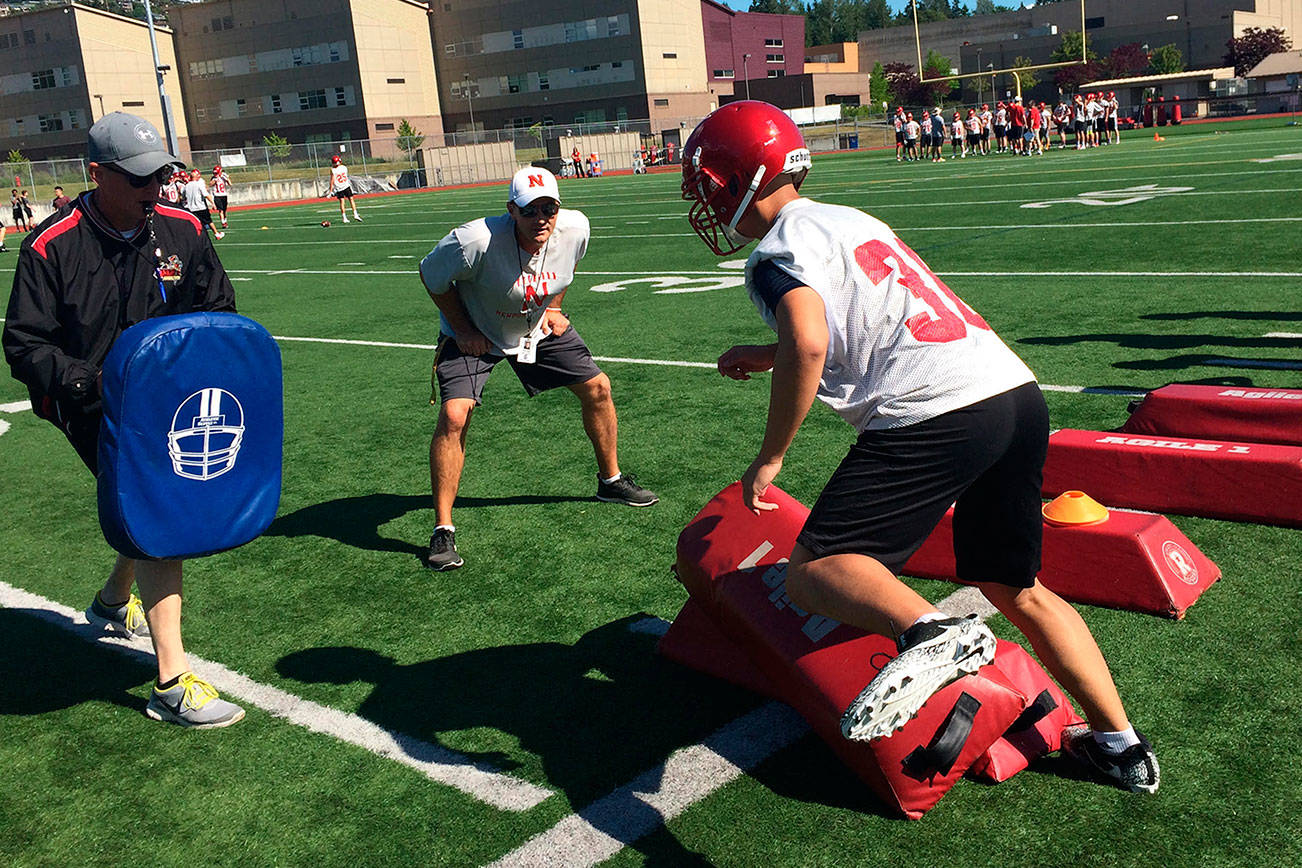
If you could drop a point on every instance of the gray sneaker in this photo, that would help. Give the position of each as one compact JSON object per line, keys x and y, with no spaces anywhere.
{"x":127,"y":619}
{"x":932,"y":654}
{"x":624,"y":490}
{"x":443,"y":553}
{"x":1134,"y":769}
{"x":192,"y":702}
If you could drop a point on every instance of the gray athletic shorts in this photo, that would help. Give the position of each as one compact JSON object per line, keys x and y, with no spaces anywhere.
{"x":562,"y":360}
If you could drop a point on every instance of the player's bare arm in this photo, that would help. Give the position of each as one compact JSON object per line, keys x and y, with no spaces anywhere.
{"x":555,"y":321}
{"x":797,"y":369}
{"x":742,"y":360}
{"x":470,"y":339}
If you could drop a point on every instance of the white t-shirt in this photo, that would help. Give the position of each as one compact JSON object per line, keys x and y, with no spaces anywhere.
{"x":503,"y":288}
{"x":911,"y":130}
{"x":339,"y":178}
{"x":902,"y":347}
{"x":196,"y":195}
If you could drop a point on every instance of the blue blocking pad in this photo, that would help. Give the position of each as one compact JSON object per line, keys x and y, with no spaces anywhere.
{"x":191,"y":443}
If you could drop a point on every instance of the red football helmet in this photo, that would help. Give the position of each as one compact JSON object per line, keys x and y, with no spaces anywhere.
{"x":334,"y":158}
{"x":216,"y":170}
{"x":730,"y":158}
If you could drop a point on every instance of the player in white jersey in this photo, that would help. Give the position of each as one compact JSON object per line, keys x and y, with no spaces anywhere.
{"x":987,"y":121}
{"x":198,"y":200}
{"x":342,"y":188}
{"x":945,"y":412}
{"x":898,"y":122}
{"x":498,"y":283}
{"x":221,"y":188}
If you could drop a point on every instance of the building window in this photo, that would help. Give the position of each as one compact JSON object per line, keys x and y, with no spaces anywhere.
{"x":311,"y":99}
{"x":68,"y":74}
{"x":275,"y":104}
{"x":773,"y":58}
{"x":383,"y":127}
{"x":201,"y":114}
{"x":226,"y":22}
{"x":8,"y":40}
{"x":450,"y":48}
{"x":725,"y":73}
{"x":341,"y":98}
{"x":1093,"y":23}
{"x":776,"y":73}
{"x":542,"y":81}
{"x":241,"y":108}
{"x":133,"y":103}
{"x":43,"y":79}
{"x":395,"y":81}
{"x":772,"y":43}
{"x":612,"y":25}
{"x":616,"y":64}
{"x":517,"y":39}
{"x":662,"y":102}
{"x":670,"y":55}
{"x":29,"y":37}
{"x":74,"y":119}
{"x":50,"y":123}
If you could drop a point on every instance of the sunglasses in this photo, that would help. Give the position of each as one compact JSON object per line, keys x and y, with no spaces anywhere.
{"x":547,"y":209}
{"x":158,"y":178}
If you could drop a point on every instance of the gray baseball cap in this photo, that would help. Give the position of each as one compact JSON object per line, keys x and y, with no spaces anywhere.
{"x":131,"y":143}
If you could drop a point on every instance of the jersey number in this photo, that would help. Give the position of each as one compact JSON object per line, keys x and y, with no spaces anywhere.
{"x":941,"y":322}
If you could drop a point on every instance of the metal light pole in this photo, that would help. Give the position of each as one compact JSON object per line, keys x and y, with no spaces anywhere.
{"x":169,"y":129}
{"x":978,"y":78}
{"x":465,"y":78}
{"x":745,"y":72}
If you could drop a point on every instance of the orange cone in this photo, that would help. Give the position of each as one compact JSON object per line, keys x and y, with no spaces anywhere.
{"x":1074,"y":509}
{"x":1158,"y":138}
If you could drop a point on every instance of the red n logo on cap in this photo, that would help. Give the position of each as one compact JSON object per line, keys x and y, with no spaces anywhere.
{"x":536,"y":181}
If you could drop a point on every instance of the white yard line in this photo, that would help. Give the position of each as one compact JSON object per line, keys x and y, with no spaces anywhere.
{"x":436,"y":763}
{"x":16,"y":407}
{"x":1288,"y":335}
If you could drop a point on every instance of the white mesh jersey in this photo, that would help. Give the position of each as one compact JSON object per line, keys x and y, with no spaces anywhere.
{"x":902,"y":347}
{"x":503,"y":288}
{"x":339,"y":178}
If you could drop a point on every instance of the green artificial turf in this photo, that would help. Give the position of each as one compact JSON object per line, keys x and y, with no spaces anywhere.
{"x":524,"y":658}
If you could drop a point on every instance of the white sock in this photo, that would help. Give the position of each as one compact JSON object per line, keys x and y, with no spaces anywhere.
{"x":1116,"y":742}
{"x":445,"y":527}
{"x":614,"y":478}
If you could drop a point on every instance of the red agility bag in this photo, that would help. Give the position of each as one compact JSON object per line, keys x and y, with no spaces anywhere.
{"x":733,"y":563}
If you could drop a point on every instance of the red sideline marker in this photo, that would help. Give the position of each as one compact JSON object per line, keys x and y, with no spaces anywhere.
{"x":1237,"y":481}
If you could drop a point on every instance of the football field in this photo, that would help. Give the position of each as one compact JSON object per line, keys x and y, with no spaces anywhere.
{"x":514,"y":712}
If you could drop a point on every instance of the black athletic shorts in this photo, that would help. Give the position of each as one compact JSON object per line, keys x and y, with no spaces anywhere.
{"x":562,"y":360}
{"x":344,"y":193}
{"x":899,"y":137}
{"x":204,"y":217}
{"x":219,"y":202}
{"x":895,"y":484}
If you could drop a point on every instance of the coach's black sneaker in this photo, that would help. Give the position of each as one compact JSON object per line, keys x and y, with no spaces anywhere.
{"x":1134,"y":769}
{"x":443,"y":551}
{"x":932,"y":654}
{"x":624,"y":490}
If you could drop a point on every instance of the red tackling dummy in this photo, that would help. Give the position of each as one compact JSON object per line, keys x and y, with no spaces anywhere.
{"x":1135,"y":561}
{"x":1221,"y":413}
{"x":1190,"y":476}
{"x":733,"y":563}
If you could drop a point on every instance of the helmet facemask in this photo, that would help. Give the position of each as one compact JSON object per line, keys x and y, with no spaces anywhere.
{"x":706,"y":191}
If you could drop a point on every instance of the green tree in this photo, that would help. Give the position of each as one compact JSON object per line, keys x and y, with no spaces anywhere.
{"x":990,"y":7}
{"x":16,"y":158}
{"x":1254,"y":46}
{"x":1024,"y":75}
{"x":1166,"y":59}
{"x":1071,"y":77}
{"x":409,"y":138}
{"x":937,"y":66}
{"x":278,"y":145}
{"x":876,"y":15}
{"x":878,"y":87}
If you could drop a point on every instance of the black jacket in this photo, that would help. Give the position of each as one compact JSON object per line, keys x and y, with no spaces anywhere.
{"x":79,"y":284}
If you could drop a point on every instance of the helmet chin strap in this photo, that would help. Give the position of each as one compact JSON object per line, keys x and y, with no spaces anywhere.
{"x":746,"y":200}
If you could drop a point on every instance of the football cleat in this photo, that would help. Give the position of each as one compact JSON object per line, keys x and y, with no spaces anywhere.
{"x":1134,"y":769}
{"x":192,"y":702}
{"x":932,"y":654}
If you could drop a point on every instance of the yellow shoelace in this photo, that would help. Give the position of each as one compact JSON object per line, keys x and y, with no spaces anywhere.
{"x":198,"y":692}
{"x":135,"y":616}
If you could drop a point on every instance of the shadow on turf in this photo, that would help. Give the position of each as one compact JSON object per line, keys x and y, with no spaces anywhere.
{"x":1143,"y":341}
{"x":356,"y":521}
{"x":47,"y":668}
{"x":595,"y":714}
{"x":1251,"y":315}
